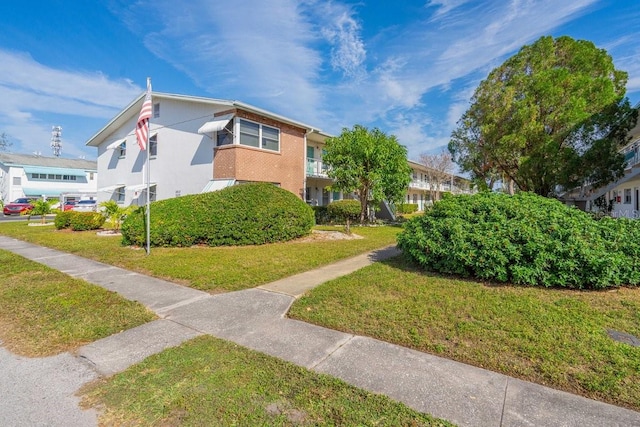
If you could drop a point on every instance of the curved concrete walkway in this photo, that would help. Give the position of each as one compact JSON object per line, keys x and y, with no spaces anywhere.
{"x":255,"y":318}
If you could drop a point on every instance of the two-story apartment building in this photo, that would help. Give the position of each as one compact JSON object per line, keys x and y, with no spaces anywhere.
{"x":201,"y":144}
{"x":29,"y":175}
{"x":623,"y":196}
{"x":423,"y":188}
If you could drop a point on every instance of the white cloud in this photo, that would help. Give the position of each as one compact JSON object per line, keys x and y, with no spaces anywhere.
{"x":348,"y":52}
{"x":256,"y":51}
{"x":444,"y":6}
{"x":32,"y":93}
{"x":20,"y":71}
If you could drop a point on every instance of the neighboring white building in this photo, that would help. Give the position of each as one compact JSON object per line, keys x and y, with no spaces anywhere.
{"x":23,"y":175}
{"x":420,"y":188}
{"x":623,"y":195}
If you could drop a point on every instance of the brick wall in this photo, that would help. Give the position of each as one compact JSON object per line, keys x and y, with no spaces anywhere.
{"x":285,"y":168}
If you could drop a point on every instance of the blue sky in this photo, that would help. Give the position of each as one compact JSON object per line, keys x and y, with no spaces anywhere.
{"x":406,"y":67}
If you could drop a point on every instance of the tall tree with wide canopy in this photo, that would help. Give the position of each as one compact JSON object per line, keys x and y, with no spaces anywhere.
{"x":369,"y":163}
{"x":554,"y":114}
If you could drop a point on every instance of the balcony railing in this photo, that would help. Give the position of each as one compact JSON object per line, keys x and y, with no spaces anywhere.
{"x":315,"y":167}
{"x":424,"y":185}
{"x":632,"y":155}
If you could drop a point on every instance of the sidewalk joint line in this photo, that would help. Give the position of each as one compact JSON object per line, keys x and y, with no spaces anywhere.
{"x":162,"y":311}
{"x":348,"y":340}
{"x":504,"y":402}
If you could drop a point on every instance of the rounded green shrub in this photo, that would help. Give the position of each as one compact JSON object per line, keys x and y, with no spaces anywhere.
{"x":523,"y":239}
{"x":247,"y":214}
{"x":81,"y":221}
{"x":63,"y":220}
{"x":344,"y":210}
{"x":407,"y":208}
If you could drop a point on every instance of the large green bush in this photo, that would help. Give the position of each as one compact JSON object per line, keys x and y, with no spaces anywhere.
{"x":524,"y":239}
{"x":247,"y":214}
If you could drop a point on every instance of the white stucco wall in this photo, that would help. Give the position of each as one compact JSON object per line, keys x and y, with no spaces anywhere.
{"x":184,"y":161}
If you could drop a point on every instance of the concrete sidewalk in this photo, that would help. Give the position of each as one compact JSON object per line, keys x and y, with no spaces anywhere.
{"x":255,"y":318}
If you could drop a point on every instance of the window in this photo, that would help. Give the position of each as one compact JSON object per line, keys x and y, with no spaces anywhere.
{"x":225,"y":136}
{"x":90,"y":176}
{"x":259,"y":136}
{"x":153,"y":145}
{"x":152,"y":193}
{"x":156,"y":110}
{"x":270,"y":138}
{"x":122,"y":149}
{"x":627,"y":196}
{"x":119,"y":193}
{"x":17,"y":180}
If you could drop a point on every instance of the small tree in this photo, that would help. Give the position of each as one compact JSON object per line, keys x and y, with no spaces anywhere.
{"x":114,"y":213}
{"x":42,"y":208}
{"x":369,"y":163}
{"x":346,"y":210}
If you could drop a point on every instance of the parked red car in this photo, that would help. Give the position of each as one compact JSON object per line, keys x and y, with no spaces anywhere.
{"x":18,"y":206}
{"x":68,"y":205}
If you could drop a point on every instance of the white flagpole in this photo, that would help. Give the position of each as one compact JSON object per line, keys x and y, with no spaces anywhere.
{"x":148,"y":178}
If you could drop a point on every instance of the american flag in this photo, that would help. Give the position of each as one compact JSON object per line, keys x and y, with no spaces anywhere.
{"x":142,"y":127}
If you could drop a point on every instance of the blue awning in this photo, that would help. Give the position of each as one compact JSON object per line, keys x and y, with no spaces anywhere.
{"x":49,"y":192}
{"x":54,"y":171}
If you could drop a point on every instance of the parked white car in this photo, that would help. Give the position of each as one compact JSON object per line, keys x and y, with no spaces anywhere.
{"x":86,"y":206}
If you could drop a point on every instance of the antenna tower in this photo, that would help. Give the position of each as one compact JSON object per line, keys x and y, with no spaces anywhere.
{"x":56,"y":141}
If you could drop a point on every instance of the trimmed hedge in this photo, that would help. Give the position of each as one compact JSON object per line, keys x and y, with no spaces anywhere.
{"x":63,"y":220}
{"x":247,"y":214}
{"x":344,"y":210}
{"x":81,"y":221}
{"x":408,"y":208}
{"x":524,"y":239}
{"x":78,"y":221}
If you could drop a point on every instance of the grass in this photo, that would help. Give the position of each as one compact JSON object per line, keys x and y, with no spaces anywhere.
{"x":208,"y":381}
{"x":45,"y":312}
{"x":553,"y":337}
{"x":214,"y":270}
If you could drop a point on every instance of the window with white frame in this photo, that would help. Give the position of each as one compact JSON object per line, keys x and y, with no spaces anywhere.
{"x":119,"y":194}
{"x":53,"y":177}
{"x":153,"y":145}
{"x":225,"y":136}
{"x":17,"y":180}
{"x":627,"y":196}
{"x":152,"y":193}
{"x":122,"y":149}
{"x":156,"y":110}
{"x":260,"y":136}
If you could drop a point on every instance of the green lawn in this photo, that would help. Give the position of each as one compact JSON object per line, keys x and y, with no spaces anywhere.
{"x":207,"y":382}
{"x":45,"y":312}
{"x":214,"y":270}
{"x":553,"y":337}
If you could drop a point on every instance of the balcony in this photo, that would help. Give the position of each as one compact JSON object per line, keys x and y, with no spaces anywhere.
{"x":315,"y":167}
{"x":632,"y":154}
